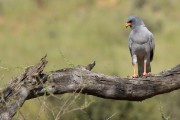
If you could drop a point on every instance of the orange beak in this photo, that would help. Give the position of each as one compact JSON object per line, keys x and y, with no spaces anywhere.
{"x":127,"y":24}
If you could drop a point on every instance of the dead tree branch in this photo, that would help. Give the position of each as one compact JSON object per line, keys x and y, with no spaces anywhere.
{"x":35,"y":83}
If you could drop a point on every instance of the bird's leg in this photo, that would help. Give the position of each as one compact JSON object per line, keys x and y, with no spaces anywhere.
{"x":144,"y":73}
{"x":134,"y":62}
{"x":134,"y":72}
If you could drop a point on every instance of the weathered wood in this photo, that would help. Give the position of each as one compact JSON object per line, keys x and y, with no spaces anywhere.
{"x":17,"y":91}
{"x":34,"y":83}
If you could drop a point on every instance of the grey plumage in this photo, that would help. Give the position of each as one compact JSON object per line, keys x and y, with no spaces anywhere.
{"x":141,"y":44}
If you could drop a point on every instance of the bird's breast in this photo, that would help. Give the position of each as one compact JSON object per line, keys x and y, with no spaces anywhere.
{"x":140,"y":38}
{"x":140,"y":35}
{"x":141,"y":49}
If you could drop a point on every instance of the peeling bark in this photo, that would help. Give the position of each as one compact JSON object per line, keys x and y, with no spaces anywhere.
{"x":35,"y":83}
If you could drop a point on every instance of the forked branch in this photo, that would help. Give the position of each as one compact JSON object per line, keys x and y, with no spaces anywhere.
{"x":35,"y":83}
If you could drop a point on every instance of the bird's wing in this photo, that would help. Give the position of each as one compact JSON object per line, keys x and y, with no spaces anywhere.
{"x":152,"y":46}
{"x":130,"y":45}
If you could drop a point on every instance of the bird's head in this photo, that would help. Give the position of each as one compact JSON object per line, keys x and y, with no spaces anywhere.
{"x":133,"y":21}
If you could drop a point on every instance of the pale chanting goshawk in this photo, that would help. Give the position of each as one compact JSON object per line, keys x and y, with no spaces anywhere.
{"x":141,"y":46}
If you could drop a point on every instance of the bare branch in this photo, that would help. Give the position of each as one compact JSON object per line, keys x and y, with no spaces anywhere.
{"x":34,"y":83}
{"x":91,"y":66}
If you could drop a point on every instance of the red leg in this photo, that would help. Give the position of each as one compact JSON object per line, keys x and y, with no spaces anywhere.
{"x":144,"y":73}
{"x":134,"y":72}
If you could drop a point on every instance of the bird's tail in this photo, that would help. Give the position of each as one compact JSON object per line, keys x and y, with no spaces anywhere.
{"x":141,"y":67}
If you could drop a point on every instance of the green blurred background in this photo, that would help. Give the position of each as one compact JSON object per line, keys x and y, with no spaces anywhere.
{"x":74,"y":32}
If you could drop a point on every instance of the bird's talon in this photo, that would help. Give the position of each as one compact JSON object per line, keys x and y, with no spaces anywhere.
{"x":149,"y":73}
{"x":133,"y":76}
{"x":144,"y":74}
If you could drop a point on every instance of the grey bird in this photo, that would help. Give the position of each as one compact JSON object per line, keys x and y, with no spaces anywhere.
{"x":141,"y":46}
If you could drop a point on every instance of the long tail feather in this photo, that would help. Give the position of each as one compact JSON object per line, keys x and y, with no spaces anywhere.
{"x":140,"y":67}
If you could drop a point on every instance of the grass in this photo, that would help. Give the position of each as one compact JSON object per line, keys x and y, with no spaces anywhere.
{"x":79,"y":32}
